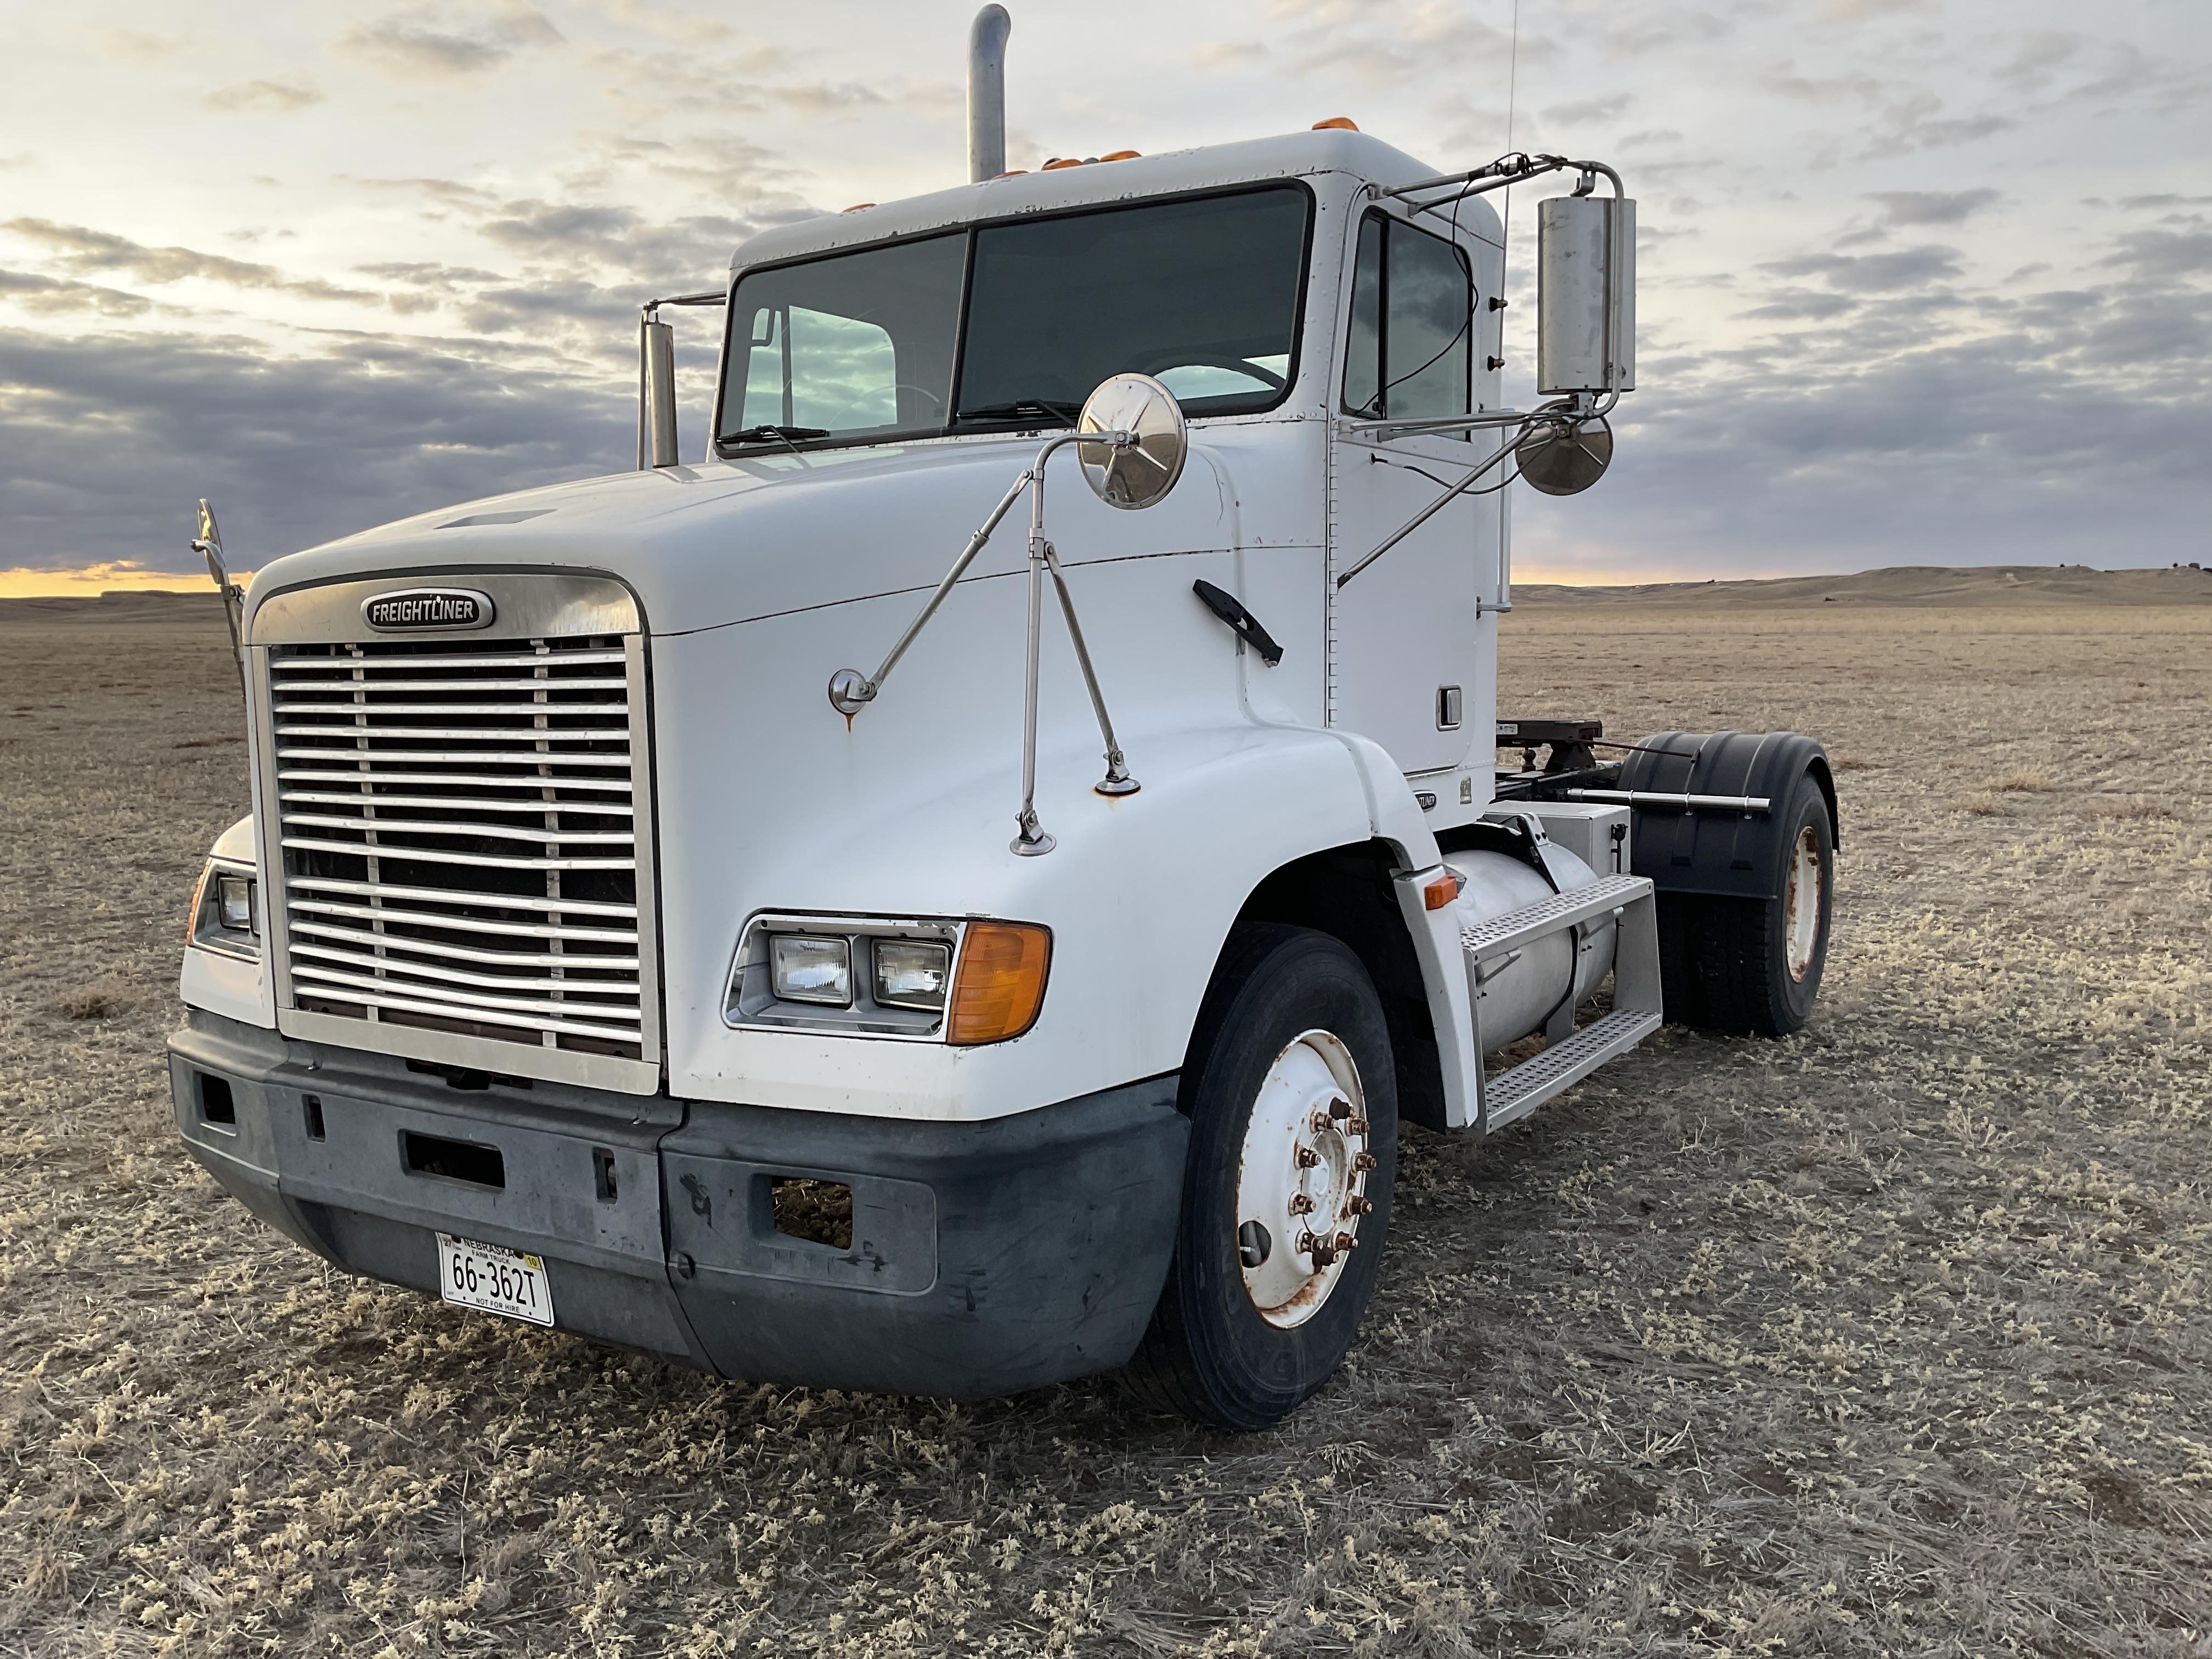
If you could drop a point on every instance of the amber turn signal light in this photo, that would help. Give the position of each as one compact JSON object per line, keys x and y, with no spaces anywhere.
{"x":1442,"y":889}
{"x":1341,"y":123}
{"x":999,"y":986}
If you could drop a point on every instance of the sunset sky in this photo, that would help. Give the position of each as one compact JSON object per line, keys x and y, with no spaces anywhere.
{"x":1924,"y":282}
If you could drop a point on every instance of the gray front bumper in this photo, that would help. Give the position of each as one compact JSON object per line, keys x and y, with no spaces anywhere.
{"x":986,"y":1257}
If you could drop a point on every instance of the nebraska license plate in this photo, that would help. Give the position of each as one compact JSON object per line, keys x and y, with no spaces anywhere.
{"x":494,"y":1279}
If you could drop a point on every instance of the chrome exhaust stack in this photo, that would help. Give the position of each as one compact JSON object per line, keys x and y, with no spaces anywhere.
{"x":986,"y":94}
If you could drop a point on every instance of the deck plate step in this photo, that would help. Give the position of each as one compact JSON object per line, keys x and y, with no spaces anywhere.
{"x":1514,"y":1094}
{"x":1549,"y":916}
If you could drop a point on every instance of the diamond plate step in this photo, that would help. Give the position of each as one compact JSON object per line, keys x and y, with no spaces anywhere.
{"x":1518,"y":927}
{"x":1513,"y":1095}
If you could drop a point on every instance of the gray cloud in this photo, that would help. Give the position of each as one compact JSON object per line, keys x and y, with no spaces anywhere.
{"x":2176,"y":254}
{"x":424,"y":44}
{"x":81,"y":248}
{"x":1872,"y":273}
{"x":52,"y":294}
{"x":1610,"y":107}
{"x":267,"y":97}
{"x":294,"y":450}
{"x":568,"y":234}
{"x":1933,"y":207}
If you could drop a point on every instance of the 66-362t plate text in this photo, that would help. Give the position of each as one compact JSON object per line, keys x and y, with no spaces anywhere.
{"x":494,"y":1279}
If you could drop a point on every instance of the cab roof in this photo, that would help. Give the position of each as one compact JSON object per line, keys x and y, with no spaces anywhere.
{"x":1291,"y":155}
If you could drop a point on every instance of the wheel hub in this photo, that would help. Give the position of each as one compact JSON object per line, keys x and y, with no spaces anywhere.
{"x":1301,"y":1186}
{"x":1801,"y":922}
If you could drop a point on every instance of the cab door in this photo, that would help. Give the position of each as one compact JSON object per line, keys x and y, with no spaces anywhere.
{"x":1404,"y":631}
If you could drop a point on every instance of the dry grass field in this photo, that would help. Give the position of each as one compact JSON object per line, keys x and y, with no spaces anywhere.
{"x":1891,"y":1339}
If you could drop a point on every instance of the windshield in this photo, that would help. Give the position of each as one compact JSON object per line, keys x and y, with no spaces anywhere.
{"x":1202,"y":294}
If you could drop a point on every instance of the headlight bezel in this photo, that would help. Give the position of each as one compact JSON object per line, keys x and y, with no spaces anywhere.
{"x":208,"y":930}
{"x":750,"y":1001}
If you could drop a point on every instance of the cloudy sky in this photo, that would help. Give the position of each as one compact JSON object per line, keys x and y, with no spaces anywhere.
{"x":1924,"y":281}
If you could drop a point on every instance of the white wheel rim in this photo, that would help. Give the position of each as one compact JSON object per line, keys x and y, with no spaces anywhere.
{"x":1801,"y":909}
{"x":1302,"y":1179}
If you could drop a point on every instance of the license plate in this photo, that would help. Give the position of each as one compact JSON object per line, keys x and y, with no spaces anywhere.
{"x":494,"y":1279}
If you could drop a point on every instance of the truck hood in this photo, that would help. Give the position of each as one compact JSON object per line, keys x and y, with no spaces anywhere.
{"x":735,"y":541}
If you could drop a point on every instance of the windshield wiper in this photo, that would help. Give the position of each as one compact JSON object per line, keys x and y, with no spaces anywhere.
{"x":1021,"y":408}
{"x":769,"y":434}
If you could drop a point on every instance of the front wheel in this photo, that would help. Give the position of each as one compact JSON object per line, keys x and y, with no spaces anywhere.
{"x":1286,"y":1196}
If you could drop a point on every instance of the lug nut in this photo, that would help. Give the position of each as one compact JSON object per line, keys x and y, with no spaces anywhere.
{"x":1365,"y":1161}
{"x":1301,"y":1204}
{"x":1346,"y":1242}
{"x":1308,"y":1159}
{"x":1357,"y":1127}
{"x":1355,"y":1205}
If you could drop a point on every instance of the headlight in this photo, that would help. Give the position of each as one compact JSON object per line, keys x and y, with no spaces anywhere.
{"x":226,"y":911}
{"x":806,"y":968}
{"x":233,"y":903}
{"x":912,"y":973}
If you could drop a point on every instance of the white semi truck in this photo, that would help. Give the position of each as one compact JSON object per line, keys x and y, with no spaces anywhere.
{"x":958,"y":886}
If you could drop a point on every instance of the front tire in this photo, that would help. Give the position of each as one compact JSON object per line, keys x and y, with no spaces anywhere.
{"x":1290,"y":1087}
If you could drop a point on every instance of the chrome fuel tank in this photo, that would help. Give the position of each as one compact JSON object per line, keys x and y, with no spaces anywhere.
{"x":1519,"y":993}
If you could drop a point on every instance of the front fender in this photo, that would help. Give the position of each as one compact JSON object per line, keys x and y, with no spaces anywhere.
{"x":1139,"y":894}
{"x":223,"y":984}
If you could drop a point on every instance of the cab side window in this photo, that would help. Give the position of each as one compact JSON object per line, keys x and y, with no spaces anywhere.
{"x":1411,"y":339}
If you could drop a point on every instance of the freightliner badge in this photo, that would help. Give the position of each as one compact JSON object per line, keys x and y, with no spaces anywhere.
{"x":429,"y":607}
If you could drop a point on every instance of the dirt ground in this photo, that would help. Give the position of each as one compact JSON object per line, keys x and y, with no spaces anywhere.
{"x":1889,"y":1339}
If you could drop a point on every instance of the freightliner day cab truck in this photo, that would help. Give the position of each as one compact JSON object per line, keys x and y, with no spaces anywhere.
{"x":961,"y":885}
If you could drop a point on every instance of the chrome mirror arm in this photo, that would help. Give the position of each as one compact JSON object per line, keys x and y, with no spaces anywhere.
{"x":850,"y":691}
{"x":1440,"y":503}
{"x":209,"y":546}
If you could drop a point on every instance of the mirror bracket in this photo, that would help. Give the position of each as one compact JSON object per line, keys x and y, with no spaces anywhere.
{"x":1131,"y":440}
{"x":209,"y":546}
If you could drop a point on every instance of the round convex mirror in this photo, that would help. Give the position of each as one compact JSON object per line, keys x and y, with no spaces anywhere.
{"x":1564,"y":458}
{"x":1144,"y":472}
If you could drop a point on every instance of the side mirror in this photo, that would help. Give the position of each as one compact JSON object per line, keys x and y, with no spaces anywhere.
{"x":1140,"y":474}
{"x":1585,"y":295}
{"x":656,"y":411}
{"x":208,"y":545}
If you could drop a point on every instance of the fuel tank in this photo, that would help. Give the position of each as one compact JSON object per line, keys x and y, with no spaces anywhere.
{"x":1518,"y":993}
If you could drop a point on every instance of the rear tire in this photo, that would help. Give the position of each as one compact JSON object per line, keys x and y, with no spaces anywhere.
{"x":1291,"y":1057}
{"x":1753,"y":967}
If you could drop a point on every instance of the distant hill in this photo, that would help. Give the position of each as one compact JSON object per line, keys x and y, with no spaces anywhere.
{"x":150,"y":605}
{"x":1969,"y":587}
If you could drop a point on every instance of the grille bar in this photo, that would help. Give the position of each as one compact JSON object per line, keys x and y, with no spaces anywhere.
{"x":427,"y":796}
{"x":571,"y":907}
{"x":610,"y":762}
{"x":416,"y":947}
{"x":391,"y":970}
{"x":383,"y":827}
{"x":404,"y":661}
{"x":439,"y":855}
{"x":449,"y":804}
{"x":596,"y":708}
{"x":384,"y":683}
{"x":526,"y":1030}
{"x":508,"y":735}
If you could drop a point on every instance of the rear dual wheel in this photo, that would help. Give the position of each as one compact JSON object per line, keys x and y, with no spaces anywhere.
{"x":1286,"y":1192}
{"x":1753,"y":966}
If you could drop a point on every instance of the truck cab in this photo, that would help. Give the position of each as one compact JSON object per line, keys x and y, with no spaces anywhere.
{"x":607,"y":950}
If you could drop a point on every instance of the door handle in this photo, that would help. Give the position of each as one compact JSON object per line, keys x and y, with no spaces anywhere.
{"x":1241,"y":622}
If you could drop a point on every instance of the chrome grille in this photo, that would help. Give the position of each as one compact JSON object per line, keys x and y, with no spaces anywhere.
{"x":458,"y":828}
